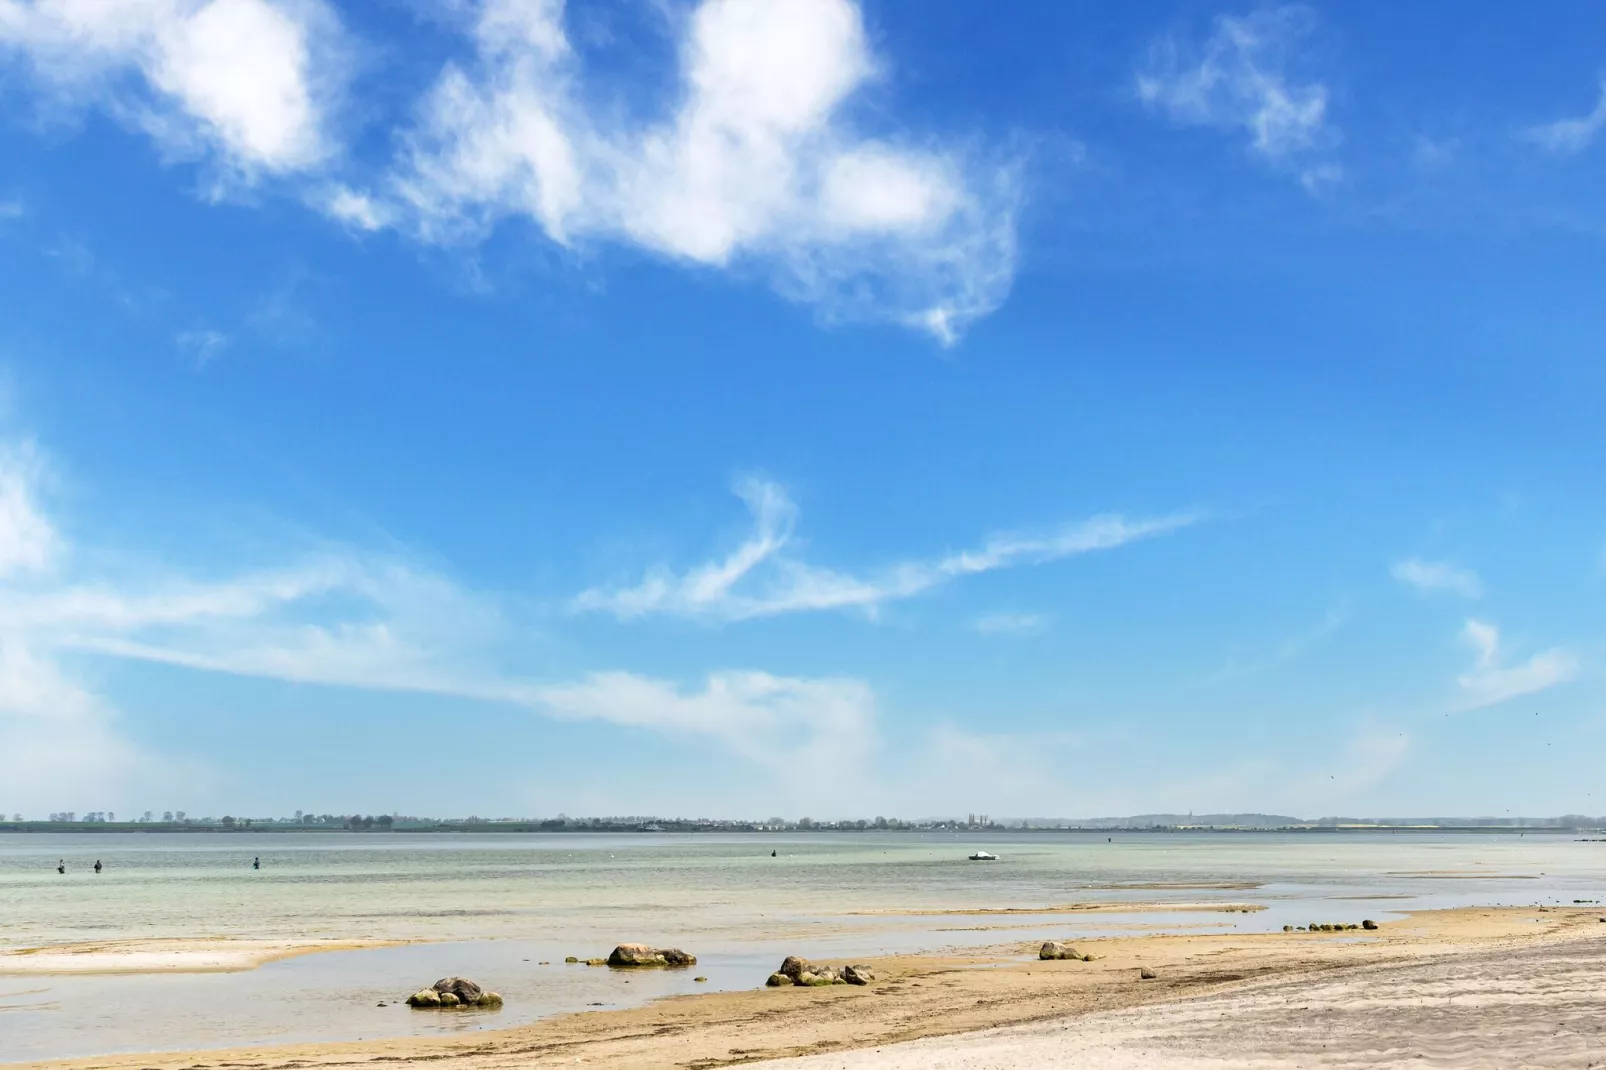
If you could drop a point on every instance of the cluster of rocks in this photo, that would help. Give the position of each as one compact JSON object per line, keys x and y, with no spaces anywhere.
{"x":796,"y":971}
{"x":639,"y":955}
{"x":454,"y":992}
{"x":1054,"y":949}
{"x":1313,"y":927}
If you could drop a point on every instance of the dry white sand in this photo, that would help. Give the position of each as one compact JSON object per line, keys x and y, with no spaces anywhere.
{"x":1536,"y":1006}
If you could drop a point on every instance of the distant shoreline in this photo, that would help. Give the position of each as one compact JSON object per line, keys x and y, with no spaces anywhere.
{"x":669,"y":827}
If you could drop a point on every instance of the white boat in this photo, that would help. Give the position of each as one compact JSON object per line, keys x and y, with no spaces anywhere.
{"x":983,"y":856}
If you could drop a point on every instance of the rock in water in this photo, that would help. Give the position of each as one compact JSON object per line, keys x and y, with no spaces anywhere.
{"x":449,"y":999}
{"x":635,"y":955}
{"x":489,"y":999}
{"x":427,"y":997}
{"x":1054,"y":949}
{"x":466,"y":991}
{"x":1146,"y":974}
{"x":642,"y":955}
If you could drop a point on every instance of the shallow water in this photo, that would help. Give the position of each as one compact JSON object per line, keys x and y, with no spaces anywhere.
{"x":494,"y":906}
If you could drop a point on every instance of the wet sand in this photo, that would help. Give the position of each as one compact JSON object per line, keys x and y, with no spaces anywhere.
{"x":1454,"y":987}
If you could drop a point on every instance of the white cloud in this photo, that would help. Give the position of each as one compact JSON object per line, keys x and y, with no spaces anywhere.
{"x":1434,"y":576}
{"x":56,"y":736}
{"x":1567,"y":136}
{"x":251,"y":81}
{"x":343,"y":619}
{"x":1490,"y":681}
{"x":1010,"y":623}
{"x":809,"y":728}
{"x":28,"y":541}
{"x":205,"y":344}
{"x":355,"y":208}
{"x":759,"y":578}
{"x":756,"y":164}
{"x":1239,"y":79}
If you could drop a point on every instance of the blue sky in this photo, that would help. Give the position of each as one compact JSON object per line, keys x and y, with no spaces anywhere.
{"x":801,"y":407}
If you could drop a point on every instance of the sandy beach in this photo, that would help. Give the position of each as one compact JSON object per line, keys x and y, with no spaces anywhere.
{"x":1470,"y":987}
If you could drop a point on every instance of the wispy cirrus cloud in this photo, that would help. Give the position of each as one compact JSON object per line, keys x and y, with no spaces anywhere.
{"x":336,"y":617}
{"x":1568,"y":136}
{"x":1241,"y":77}
{"x":1010,"y":623}
{"x":204,"y":344}
{"x":762,"y":578}
{"x":1285,"y":652}
{"x":1437,"y":577}
{"x":248,"y":83}
{"x":1491,"y":681}
{"x":754,"y":165}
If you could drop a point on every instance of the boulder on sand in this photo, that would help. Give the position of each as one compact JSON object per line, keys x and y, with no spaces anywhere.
{"x":1146,"y":974}
{"x":1055,"y":949}
{"x":1369,"y":924}
{"x":642,"y":955}
{"x":857,"y":975}
{"x":813,"y":974}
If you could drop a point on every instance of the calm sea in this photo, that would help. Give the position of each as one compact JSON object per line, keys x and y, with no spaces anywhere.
{"x":495,"y":906}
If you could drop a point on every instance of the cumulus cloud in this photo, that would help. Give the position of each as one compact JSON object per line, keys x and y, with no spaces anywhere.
{"x":1240,"y":78}
{"x":1437,"y":576}
{"x":354,"y":208}
{"x":1490,"y":681}
{"x":755,"y":164}
{"x":1567,"y":136}
{"x":760,"y":578}
{"x":249,"y":82}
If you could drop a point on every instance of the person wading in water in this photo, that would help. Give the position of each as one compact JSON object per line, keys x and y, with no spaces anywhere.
{"x":256,"y":863}
{"x":61,"y":867}
{"x":97,"y":865}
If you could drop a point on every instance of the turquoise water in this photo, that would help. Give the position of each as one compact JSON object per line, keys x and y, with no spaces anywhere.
{"x":494,"y":906}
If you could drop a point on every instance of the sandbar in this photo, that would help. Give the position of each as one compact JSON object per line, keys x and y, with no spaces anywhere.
{"x":182,"y":955}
